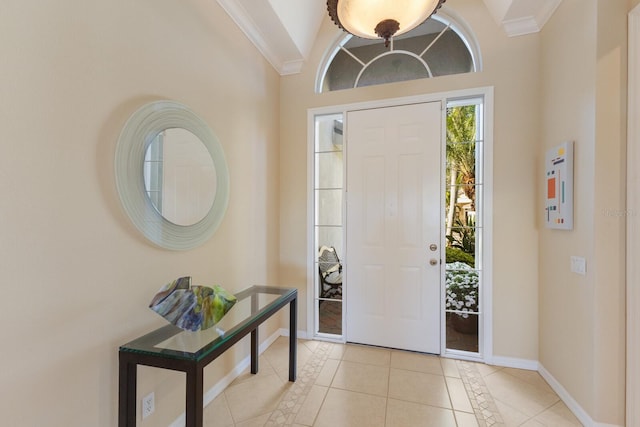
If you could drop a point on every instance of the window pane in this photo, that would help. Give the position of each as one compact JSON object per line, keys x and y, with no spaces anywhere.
{"x":463,"y":288}
{"x":328,"y":189}
{"x":449,"y":55}
{"x":330,"y":236}
{"x":329,"y":170}
{"x":342,"y":72}
{"x":444,"y":50}
{"x":462,"y":333}
{"x":418,"y":40}
{"x":393,"y":68}
{"x":463,"y":225}
{"x":330,"y":317}
{"x":329,"y":207}
{"x":328,"y":133}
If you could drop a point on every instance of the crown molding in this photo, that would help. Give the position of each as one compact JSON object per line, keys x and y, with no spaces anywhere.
{"x":291,"y":67}
{"x":521,"y":26}
{"x":249,"y":27}
{"x":282,"y":30}
{"x":520,"y":17}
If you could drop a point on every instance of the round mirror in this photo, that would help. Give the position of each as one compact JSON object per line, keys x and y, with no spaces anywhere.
{"x":171,"y":175}
{"x":179,"y":176}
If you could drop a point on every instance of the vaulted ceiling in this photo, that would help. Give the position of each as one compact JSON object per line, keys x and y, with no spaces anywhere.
{"x":285,"y":30}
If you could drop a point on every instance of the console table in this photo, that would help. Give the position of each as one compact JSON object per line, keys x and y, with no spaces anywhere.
{"x":170,"y":347}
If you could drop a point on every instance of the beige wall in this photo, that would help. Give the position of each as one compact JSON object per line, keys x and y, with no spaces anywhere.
{"x":584,"y":99}
{"x":511,"y":66}
{"x":76,"y":276}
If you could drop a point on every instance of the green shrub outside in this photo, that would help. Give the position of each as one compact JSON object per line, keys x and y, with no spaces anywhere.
{"x":458,"y":255}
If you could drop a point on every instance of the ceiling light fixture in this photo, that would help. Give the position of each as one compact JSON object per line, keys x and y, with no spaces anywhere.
{"x":381,"y":18}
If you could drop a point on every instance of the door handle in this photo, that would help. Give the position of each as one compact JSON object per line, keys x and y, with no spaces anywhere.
{"x":433,"y":261}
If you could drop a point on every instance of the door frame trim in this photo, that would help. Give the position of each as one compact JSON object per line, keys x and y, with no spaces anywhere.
{"x":486,"y":92}
{"x":633,"y":210}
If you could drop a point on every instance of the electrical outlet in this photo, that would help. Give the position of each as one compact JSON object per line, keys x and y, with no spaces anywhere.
{"x":148,"y":405}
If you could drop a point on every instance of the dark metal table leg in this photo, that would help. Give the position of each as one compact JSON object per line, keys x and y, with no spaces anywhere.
{"x":254,"y":351}
{"x":293,"y":337}
{"x":127,"y":392}
{"x":254,"y":337}
{"x":194,"y":403}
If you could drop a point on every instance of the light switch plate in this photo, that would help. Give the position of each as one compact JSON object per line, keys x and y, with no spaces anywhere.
{"x":578,"y":265}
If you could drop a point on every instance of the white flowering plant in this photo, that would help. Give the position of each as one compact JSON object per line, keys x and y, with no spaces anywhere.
{"x":462,"y":288}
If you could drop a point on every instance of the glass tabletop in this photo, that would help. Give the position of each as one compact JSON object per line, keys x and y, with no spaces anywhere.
{"x":170,"y":341}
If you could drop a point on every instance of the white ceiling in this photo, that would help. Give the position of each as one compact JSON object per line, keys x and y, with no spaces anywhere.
{"x":285,"y":30}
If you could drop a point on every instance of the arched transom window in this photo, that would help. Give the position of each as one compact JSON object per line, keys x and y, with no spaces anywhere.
{"x":440,"y":46}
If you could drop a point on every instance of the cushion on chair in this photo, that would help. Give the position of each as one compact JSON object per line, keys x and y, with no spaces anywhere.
{"x":330,"y":273}
{"x":333,"y":278}
{"x":328,"y":261}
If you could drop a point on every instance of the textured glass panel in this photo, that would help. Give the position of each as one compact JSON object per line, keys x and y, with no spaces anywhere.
{"x":328,"y":133}
{"x":418,"y":40}
{"x":330,"y":317}
{"x":330,"y":274}
{"x":449,"y":55}
{"x":462,"y":333}
{"x":465,"y":155}
{"x":462,"y":284}
{"x":463,"y":225}
{"x":329,"y":207}
{"x":442,"y":49}
{"x":330,"y":236}
{"x":329,"y":167}
{"x":462,"y":242}
{"x":393,"y":68}
{"x":342,"y":72}
{"x":329,"y":291}
{"x":466,"y":206}
{"x":328,"y":183}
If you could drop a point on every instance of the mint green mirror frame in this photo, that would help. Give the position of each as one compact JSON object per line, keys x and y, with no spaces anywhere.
{"x":139,"y":131}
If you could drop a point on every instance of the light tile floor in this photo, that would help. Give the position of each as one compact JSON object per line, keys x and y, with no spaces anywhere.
{"x":352,"y":386}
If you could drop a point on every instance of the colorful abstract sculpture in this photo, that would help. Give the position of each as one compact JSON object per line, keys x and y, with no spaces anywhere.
{"x":189,"y":307}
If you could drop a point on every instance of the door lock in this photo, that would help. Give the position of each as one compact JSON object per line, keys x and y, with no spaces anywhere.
{"x":433,"y":247}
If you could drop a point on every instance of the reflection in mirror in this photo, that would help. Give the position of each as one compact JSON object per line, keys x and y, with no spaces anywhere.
{"x":179,"y":176}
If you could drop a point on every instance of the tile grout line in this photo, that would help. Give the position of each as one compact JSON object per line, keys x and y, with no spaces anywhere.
{"x":484,"y":407}
{"x":293,"y":399}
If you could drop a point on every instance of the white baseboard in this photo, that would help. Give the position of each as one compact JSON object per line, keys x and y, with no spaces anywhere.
{"x":534,"y":365}
{"x":513,"y":362}
{"x":214,"y":391}
{"x":284,"y":332}
{"x":571,"y":403}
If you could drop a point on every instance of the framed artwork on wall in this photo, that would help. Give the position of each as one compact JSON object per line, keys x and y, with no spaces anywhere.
{"x":558,"y":206}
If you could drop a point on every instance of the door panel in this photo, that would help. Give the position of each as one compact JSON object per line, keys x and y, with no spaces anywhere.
{"x":393,"y":215}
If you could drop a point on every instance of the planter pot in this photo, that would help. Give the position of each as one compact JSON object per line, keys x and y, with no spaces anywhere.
{"x":463,"y":325}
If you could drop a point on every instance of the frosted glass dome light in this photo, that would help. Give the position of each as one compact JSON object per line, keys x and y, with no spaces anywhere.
{"x":372,"y":19}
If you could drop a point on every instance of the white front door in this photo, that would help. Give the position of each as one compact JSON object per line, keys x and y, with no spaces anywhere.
{"x":394,"y":220}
